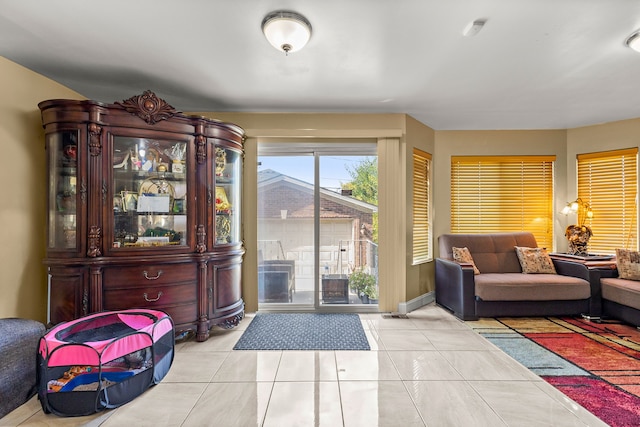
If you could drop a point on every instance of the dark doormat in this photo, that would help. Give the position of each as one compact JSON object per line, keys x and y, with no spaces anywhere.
{"x":304,"y":331}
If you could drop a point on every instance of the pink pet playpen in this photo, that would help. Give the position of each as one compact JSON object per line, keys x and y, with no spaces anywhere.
{"x":103,"y":360}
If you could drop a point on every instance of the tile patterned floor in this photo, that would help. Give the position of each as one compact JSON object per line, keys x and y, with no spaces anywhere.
{"x":427,"y":370}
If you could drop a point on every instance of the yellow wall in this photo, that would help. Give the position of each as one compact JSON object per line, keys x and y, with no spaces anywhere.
{"x":420,"y":278}
{"x":390,"y":132}
{"x":23,"y":284}
{"x":526,"y":142}
{"x":603,"y":137}
{"x":23,"y":174}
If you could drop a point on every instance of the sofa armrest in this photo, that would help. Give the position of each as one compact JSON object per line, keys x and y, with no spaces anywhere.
{"x":592,"y":275}
{"x":455,"y":288}
{"x":571,"y":268}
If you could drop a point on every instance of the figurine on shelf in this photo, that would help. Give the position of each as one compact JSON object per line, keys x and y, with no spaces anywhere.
{"x":177,"y":155}
{"x":223,"y":229}
{"x":120,"y":162}
{"x":135,"y":159}
{"x":222,"y":203}
{"x":221,"y":160}
{"x":71,"y":151}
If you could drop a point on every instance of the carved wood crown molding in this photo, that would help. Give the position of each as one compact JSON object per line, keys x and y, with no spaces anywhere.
{"x":148,"y":107}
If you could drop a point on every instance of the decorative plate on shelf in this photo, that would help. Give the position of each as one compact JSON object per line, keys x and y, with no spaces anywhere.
{"x":157,"y":186}
{"x":156,"y":195}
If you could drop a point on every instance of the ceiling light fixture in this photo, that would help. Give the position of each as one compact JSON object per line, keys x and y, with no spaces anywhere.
{"x":286,"y":31}
{"x":473,"y":27}
{"x":633,"y":41}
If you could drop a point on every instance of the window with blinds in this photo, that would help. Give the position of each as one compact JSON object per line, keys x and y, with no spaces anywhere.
{"x":491,"y":194}
{"x":608,"y":182}
{"x":421,"y":196}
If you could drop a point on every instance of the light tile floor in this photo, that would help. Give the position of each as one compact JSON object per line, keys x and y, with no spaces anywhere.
{"x":427,"y":370}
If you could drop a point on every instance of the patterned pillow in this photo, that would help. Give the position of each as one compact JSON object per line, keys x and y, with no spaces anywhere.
{"x":628,"y":263}
{"x":463,"y":255}
{"x":535,"y":260}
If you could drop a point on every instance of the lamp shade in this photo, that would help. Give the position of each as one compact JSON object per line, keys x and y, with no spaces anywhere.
{"x":286,"y":31}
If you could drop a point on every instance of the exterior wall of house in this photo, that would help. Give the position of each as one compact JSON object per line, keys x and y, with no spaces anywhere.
{"x":23,"y":174}
{"x":340,"y":226}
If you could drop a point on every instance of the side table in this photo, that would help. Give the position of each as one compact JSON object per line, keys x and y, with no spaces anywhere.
{"x":598,"y":266}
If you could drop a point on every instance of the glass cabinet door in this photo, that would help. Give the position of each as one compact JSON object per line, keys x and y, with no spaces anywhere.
{"x":228,"y":165}
{"x":63,"y":160}
{"x":149,"y":192}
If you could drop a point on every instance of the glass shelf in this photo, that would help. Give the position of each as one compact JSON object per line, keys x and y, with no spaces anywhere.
{"x":149,"y":193}
{"x":227,"y":196}
{"x":63,"y":184}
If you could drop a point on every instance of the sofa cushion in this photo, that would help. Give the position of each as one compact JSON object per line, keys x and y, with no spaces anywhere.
{"x":628,"y":263}
{"x":492,"y":252}
{"x":530,"y":287}
{"x":463,"y":255}
{"x":623,"y":291}
{"x":535,"y":260}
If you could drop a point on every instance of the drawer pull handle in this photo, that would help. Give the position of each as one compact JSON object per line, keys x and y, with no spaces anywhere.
{"x":157,"y":276}
{"x":146,"y":297}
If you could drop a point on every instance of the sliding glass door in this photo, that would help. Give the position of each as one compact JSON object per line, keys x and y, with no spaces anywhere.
{"x":286,"y":238}
{"x":317,"y":226}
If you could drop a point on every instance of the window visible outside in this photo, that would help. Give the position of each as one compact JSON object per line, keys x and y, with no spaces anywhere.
{"x":421,"y":206}
{"x":608,"y":182}
{"x":341,"y":267}
{"x":503,"y":194}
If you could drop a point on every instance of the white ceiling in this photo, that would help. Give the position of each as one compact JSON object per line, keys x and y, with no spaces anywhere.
{"x":537,"y":64}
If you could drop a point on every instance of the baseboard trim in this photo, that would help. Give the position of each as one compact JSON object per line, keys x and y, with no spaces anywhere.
{"x":416,"y":303}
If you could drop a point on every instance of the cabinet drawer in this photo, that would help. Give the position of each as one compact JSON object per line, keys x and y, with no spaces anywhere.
{"x":150,"y":297}
{"x":183,"y":314}
{"x":180,"y":314}
{"x":178,"y":301}
{"x":149,"y":275}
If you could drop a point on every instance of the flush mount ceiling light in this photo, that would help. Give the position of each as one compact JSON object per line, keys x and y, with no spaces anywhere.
{"x":473,"y":27}
{"x":633,"y":41}
{"x":286,"y":31}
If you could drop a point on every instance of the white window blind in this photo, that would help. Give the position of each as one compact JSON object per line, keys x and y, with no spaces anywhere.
{"x":421,"y":197}
{"x":608,"y":182}
{"x":492,"y":194}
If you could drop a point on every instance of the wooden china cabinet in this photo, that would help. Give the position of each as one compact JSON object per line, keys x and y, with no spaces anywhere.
{"x":143,"y":211}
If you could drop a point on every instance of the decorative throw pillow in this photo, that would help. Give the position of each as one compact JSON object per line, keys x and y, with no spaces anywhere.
{"x":535,"y":260}
{"x":628,"y":263}
{"x":463,"y":255}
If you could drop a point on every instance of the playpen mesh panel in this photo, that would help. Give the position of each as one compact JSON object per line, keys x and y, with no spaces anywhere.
{"x":101,"y":333}
{"x":81,"y":373}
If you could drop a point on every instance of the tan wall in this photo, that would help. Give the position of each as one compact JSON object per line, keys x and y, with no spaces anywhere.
{"x":602,"y":137}
{"x":420,"y":278}
{"x":23,"y":284}
{"x":23,"y":173}
{"x":528,"y":142}
{"x":325,"y":127}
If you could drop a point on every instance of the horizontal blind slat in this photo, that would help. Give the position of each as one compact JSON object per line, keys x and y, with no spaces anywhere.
{"x":510,"y":193}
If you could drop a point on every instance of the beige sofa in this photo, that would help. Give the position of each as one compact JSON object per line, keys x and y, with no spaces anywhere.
{"x":501,"y":288}
{"x":621,"y":299}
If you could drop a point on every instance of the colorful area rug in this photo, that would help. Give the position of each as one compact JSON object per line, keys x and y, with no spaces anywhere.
{"x":595,"y":364}
{"x":304,"y":331}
